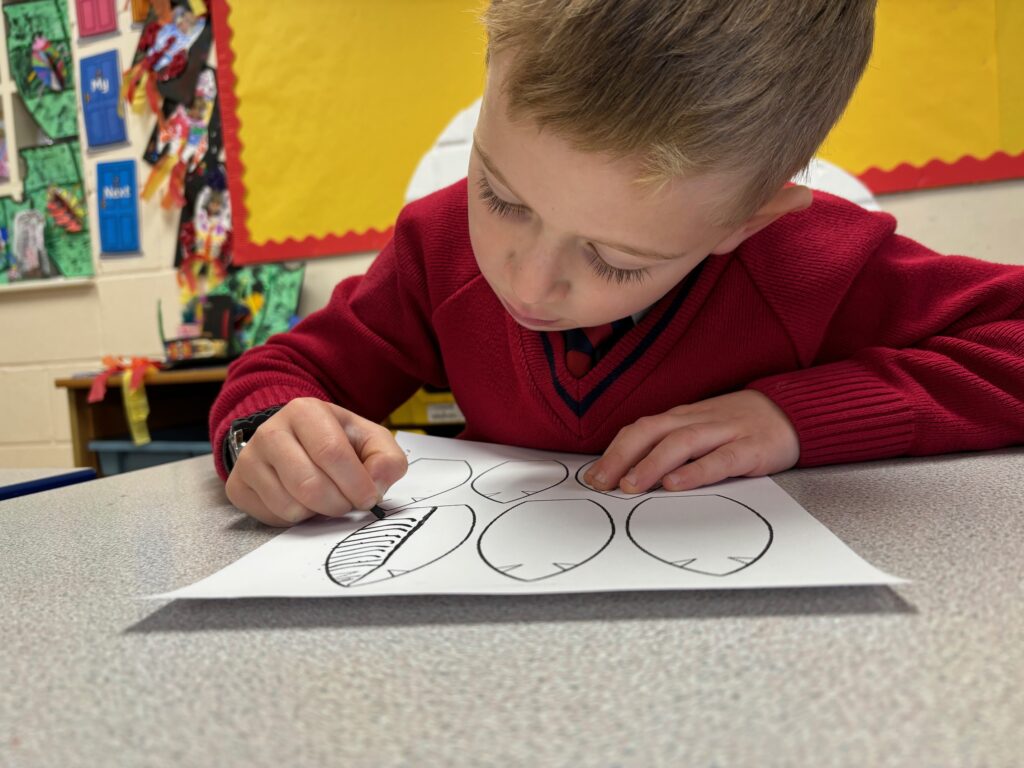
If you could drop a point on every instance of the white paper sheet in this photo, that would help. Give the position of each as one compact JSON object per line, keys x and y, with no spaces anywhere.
{"x":473,"y":518}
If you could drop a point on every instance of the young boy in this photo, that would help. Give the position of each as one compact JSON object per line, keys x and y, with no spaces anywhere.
{"x":627,"y":271}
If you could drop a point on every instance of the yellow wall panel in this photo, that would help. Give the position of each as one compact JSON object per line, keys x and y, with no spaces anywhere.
{"x":337,"y":102}
{"x":946,"y":80}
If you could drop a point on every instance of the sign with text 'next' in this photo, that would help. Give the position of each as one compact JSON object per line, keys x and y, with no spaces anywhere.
{"x":101,"y":86}
{"x":118,"y":203}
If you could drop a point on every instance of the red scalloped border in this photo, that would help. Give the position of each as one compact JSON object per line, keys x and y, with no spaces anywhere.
{"x":244,"y":250}
{"x":935,"y":173}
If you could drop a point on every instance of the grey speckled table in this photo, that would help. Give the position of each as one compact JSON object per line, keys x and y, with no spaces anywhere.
{"x":929,"y":674}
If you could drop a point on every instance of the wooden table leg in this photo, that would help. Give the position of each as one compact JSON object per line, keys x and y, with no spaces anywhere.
{"x":82,"y":429}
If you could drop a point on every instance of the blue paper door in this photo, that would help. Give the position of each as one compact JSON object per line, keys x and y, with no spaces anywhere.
{"x":101,"y":82}
{"x":118,"y":207}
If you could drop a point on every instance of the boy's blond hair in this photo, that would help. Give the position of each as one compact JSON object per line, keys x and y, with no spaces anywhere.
{"x":750,"y":87}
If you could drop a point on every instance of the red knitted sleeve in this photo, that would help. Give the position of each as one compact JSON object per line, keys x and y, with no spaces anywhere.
{"x":905,"y":351}
{"x":368,"y":350}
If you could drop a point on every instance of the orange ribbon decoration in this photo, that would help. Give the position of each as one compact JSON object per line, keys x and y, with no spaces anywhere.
{"x":137,"y":366}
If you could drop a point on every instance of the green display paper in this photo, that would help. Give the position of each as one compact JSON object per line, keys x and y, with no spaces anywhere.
{"x":59,"y":164}
{"x":280,"y":286}
{"x":54,"y":111}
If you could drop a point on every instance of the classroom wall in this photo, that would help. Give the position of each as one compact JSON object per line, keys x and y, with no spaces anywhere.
{"x":53,"y":330}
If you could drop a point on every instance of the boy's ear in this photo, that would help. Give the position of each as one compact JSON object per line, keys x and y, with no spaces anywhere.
{"x":788,"y":199}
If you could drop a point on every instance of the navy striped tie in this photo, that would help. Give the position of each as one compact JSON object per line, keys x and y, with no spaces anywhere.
{"x":585,"y":346}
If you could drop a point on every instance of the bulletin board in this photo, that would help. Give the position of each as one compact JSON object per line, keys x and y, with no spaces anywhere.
{"x":327,"y":112}
{"x":942,"y":100}
{"x":44,"y":229}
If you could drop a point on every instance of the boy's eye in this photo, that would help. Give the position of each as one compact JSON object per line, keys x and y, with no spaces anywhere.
{"x":603,"y":269}
{"x":496,"y":205}
{"x":613,"y":274}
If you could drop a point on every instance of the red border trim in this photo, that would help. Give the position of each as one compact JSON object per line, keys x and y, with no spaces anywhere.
{"x":245,"y":251}
{"x":936,"y":173}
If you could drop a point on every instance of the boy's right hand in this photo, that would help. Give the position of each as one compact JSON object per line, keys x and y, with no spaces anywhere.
{"x":313,"y":457}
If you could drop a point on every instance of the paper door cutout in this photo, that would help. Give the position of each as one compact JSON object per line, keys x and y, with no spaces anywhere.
{"x":101,"y":82}
{"x":563,"y":538}
{"x":118,"y":207}
{"x":95,"y":17}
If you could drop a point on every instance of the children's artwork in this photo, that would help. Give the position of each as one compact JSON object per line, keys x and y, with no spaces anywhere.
{"x":101,"y":102}
{"x":182,"y":143}
{"x":474,"y":518}
{"x":44,"y":231}
{"x":49,"y":65}
{"x":66,"y":209}
{"x":204,"y":239}
{"x":118,"y":207}
{"x":172,"y":49}
{"x":140,"y":11}
{"x":53,"y":196}
{"x":40,"y":57}
{"x":5,"y":168}
{"x":95,"y":17}
{"x":30,"y":259}
{"x":266,"y":298}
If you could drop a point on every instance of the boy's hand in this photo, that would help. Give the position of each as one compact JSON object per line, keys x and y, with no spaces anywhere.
{"x":742,"y":434}
{"x":313,"y":457}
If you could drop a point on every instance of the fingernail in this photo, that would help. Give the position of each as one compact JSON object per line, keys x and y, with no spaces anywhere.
{"x":630,"y":479}
{"x":382,"y":488}
{"x":369,"y":502}
{"x":670,"y":481}
{"x":596,"y":478}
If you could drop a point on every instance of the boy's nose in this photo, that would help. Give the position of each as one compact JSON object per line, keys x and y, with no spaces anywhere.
{"x":536,"y":277}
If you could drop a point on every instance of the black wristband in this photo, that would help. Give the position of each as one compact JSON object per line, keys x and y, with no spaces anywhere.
{"x":240,"y":432}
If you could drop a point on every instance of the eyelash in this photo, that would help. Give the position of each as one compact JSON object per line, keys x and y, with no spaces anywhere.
{"x":498,"y":206}
{"x":601,"y":268}
{"x":614,"y":274}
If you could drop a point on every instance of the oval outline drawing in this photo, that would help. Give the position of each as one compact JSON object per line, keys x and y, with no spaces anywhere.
{"x":510,"y":510}
{"x":371,"y":543}
{"x":743,"y":563}
{"x":525,"y":494}
{"x":418,"y":499}
{"x":618,"y":493}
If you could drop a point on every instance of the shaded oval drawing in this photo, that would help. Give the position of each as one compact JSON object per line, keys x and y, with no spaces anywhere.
{"x":425,"y":479}
{"x":514,"y":480}
{"x":616,"y":493}
{"x":402,"y":542}
{"x":709,"y":534}
{"x":539,"y":539}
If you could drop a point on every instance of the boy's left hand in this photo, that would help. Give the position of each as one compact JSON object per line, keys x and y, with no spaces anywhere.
{"x":742,"y":434}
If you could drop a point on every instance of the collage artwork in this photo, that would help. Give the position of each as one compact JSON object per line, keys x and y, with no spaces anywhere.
{"x":45,"y":231}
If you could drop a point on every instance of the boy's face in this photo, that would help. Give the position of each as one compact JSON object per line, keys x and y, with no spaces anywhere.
{"x":568,"y":239}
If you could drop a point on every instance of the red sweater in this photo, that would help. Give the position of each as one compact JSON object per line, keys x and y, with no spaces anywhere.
{"x":873,"y":345}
